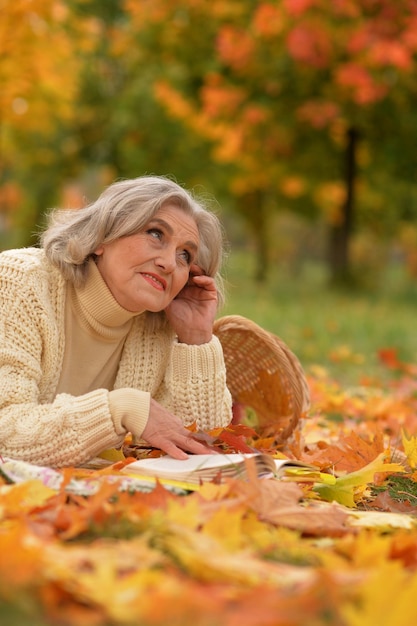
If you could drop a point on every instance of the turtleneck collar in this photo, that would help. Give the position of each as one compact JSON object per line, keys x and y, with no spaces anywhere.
{"x":96,"y":304}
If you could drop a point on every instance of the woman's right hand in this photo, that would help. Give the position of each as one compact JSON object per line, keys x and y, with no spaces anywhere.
{"x":165,"y":431}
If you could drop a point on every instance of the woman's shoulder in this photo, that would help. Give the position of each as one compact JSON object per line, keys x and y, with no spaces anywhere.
{"x":31,"y":262}
{"x":24,"y":258}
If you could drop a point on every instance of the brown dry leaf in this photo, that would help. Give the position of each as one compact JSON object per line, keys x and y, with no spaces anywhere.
{"x":350,"y":453}
{"x":279,"y":502}
{"x":384,"y":502}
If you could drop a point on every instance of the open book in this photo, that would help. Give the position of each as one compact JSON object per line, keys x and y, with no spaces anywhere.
{"x":199,"y":468}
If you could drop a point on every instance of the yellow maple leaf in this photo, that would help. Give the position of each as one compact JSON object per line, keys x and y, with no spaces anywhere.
{"x":112,"y":454}
{"x":410,"y":449}
{"x":387,"y":598}
{"x":23,"y":497}
{"x":227,"y":526}
{"x":365,"y":548}
{"x":205,"y":558}
{"x":347,"y":489}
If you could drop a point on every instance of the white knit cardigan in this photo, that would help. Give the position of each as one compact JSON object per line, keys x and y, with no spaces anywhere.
{"x":41,"y":427}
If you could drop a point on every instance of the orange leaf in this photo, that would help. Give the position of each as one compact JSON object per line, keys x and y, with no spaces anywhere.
{"x":21,"y":557}
{"x":16,"y":500}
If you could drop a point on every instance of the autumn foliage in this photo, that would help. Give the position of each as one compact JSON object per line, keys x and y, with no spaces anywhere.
{"x":266,"y":91}
{"x":257,"y":552}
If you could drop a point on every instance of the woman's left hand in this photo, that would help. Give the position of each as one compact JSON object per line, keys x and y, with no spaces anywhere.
{"x":193,"y":311}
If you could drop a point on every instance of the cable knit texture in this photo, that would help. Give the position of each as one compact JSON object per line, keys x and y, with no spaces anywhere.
{"x":41,"y":426}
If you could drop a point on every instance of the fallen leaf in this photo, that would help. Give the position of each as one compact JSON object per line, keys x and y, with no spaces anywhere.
{"x":16,"y":500}
{"x":387,"y":597}
{"x":410,"y":449}
{"x":346,"y":488}
{"x":279,"y":502}
{"x":381,"y":520}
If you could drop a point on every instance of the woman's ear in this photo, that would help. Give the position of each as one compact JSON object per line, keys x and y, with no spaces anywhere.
{"x":99,"y":250}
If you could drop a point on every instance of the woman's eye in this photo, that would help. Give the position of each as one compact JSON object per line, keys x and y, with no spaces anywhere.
{"x":186,"y":256}
{"x":155,"y":233}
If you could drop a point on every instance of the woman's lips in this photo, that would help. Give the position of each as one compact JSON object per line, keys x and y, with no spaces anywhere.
{"x":155,"y":281}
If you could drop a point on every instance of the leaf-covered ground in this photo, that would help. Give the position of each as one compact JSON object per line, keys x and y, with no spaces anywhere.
{"x":338,"y":550}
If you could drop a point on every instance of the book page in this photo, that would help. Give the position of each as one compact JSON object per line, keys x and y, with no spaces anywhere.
{"x":168,"y":466}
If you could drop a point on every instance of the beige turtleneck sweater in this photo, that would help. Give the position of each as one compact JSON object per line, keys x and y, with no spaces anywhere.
{"x":97,"y":327}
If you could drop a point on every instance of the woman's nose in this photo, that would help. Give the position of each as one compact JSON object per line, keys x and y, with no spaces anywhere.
{"x":167,"y":260}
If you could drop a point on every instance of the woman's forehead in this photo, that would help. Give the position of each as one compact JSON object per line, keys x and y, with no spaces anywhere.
{"x":178,"y":221}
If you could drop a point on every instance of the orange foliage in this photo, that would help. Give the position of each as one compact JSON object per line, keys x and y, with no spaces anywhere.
{"x":359,"y":82}
{"x":220,"y":99}
{"x":126,"y":556}
{"x":310,"y":44}
{"x":269,"y":20}
{"x":235,"y":47}
{"x":34,"y":80}
{"x":247,"y":107}
{"x":298,"y":7}
{"x":319,"y":114}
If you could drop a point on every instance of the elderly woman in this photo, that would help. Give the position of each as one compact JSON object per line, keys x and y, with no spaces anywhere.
{"x":106,"y":328}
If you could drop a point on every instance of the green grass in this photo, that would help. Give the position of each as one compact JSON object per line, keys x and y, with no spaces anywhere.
{"x":16,"y":613}
{"x":340,"y":331}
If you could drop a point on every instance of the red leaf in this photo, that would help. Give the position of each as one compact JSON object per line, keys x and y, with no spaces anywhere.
{"x":236,"y":442}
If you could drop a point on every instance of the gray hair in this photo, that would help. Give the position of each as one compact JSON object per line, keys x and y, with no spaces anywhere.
{"x":123,"y":209}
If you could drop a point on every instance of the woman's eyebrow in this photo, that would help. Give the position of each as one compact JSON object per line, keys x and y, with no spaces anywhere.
{"x":170,"y":231}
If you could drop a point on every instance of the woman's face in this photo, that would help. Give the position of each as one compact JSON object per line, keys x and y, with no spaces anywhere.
{"x":146,"y":271}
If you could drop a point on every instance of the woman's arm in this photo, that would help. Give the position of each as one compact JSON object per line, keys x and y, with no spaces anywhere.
{"x":194,"y":386}
{"x":34,"y":424}
{"x":196,"y":376}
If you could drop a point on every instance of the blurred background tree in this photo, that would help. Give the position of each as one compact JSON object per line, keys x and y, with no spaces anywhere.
{"x":38,"y":103}
{"x":302,"y":98}
{"x":296,"y":114}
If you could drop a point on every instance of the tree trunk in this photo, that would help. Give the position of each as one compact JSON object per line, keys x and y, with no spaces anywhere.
{"x":340,"y":233}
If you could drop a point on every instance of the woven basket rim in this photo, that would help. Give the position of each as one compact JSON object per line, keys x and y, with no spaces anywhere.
{"x":263,"y":370}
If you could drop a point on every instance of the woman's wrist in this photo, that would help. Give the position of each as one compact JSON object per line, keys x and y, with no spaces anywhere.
{"x":129,"y":409}
{"x":194,"y":338}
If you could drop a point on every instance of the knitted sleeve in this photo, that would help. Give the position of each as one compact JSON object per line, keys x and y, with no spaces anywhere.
{"x":195,"y":385}
{"x":66,"y":430}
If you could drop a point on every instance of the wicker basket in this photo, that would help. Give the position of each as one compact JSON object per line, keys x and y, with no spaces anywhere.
{"x":263,"y":374}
